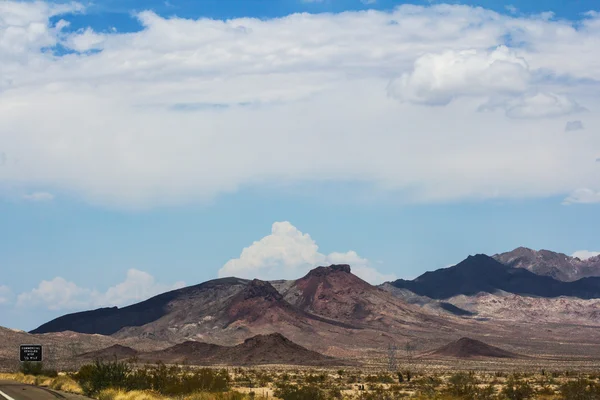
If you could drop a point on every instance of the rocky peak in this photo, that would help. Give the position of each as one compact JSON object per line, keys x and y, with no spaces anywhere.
{"x":324,"y":271}
{"x":261,"y":289}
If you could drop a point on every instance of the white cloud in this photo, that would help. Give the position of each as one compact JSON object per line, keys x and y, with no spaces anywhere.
{"x":437,"y":79}
{"x":585,"y":254}
{"x":186,"y":110}
{"x":583,"y":196}
{"x":367,"y":2}
{"x":541,"y":105}
{"x":60,"y":294}
{"x":39,"y":196}
{"x":574,"y":126}
{"x":288,"y":253}
{"x":5,"y":295}
{"x":85,"y":40}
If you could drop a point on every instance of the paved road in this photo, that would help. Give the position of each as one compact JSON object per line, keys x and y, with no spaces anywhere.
{"x":10,"y":390}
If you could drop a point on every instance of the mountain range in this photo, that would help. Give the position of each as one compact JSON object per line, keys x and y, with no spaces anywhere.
{"x":548,"y":263}
{"x":523,"y":301}
{"x":481,"y":273}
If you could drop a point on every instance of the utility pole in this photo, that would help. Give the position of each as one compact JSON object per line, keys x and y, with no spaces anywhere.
{"x":392,"y":363}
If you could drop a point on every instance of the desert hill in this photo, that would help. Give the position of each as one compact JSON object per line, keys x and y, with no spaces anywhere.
{"x":261,"y":349}
{"x":114,"y":352}
{"x":61,"y":348}
{"x":470,"y":348}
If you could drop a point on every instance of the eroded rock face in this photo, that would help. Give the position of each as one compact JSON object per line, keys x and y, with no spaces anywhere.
{"x":262,"y":289}
{"x":548,"y":263}
{"x":323,"y":271}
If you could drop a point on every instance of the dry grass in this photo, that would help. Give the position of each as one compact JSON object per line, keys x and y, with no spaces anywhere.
{"x":61,"y":382}
{"x":115,"y":394}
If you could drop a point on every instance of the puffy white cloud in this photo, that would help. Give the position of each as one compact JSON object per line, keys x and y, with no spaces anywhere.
{"x":60,"y":294}
{"x":85,"y":40}
{"x":5,"y":294}
{"x":437,"y":79}
{"x":585,"y":254}
{"x":138,"y":285}
{"x":186,"y":110}
{"x":574,"y":126}
{"x":287,"y":253}
{"x":38,"y":196}
{"x":583,"y":196}
{"x":57,"y":294}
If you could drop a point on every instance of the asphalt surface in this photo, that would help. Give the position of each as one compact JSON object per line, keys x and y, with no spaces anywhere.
{"x":10,"y":390}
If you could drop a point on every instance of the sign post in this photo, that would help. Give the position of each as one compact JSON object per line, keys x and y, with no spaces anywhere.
{"x":31,"y":353}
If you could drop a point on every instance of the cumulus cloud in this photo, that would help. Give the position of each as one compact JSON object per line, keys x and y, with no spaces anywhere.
{"x":294,"y":108}
{"x":574,"y":126}
{"x":61,"y":294}
{"x":436,"y":79}
{"x":287,"y":253}
{"x":583,"y":196}
{"x":5,"y":294}
{"x":585,"y":254}
{"x":38,"y":196}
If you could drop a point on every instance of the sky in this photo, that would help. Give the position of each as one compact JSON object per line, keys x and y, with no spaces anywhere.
{"x":150,"y":145}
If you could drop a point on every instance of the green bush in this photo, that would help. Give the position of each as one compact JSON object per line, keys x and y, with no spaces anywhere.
{"x":37,"y":369}
{"x":99,"y":376}
{"x":462,"y":385}
{"x":170,"y":381}
{"x":516,"y":389}
{"x":291,"y":392}
{"x":581,"y":389}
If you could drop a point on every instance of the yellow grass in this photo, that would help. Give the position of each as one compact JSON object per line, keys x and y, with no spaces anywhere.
{"x":61,"y":382}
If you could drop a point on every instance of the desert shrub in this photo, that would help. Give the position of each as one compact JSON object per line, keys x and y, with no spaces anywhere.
{"x":37,"y":369}
{"x":516,"y":389}
{"x":379,"y":378}
{"x":581,"y":389}
{"x":462,"y":385}
{"x":171,"y":381}
{"x":98,"y":376}
{"x":292,"y":392}
{"x":379,"y":393}
{"x":315,"y":378}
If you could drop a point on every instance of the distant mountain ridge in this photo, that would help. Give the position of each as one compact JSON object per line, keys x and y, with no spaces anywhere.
{"x":481,"y":273}
{"x":548,"y":263}
{"x":329,"y":310}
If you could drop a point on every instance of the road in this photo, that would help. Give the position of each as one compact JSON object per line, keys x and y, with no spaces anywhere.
{"x":10,"y":390}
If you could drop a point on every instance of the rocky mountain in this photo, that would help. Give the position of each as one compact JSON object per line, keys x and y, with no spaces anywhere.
{"x":330,"y":310}
{"x":107,"y":321}
{"x":502,"y":306}
{"x":261,"y":349}
{"x":336,"y":294}
{"x":481,"y":273}
{"x":548,"y":263}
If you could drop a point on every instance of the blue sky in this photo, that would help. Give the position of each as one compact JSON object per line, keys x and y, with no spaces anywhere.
{"x":102,"y":171}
